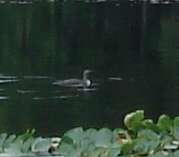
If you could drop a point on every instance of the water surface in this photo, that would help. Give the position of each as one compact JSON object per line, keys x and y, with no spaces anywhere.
{"x":132,"y":48}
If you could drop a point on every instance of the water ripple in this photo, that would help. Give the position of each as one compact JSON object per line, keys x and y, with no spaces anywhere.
{"x":23,"y":91}
{"x":9,"y":81}
{"x":4,"y":97}
{"x":35,"y":77}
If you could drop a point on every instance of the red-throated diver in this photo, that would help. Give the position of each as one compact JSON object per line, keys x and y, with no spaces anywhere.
{"x":84,"y":82}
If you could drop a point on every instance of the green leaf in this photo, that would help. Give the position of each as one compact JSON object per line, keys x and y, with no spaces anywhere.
{"x":103,"y":138}
{"x":41,"y":145}
{"x":144,"y":146}
{"x":90,"y":133}
{"x":15,"y":147}
{"x":66,"y":139}
{"x":133,"y":121}
{"x":127,"y":148}
{"x":26,"y":135}
{"x":26,"y":147}
{"x":176,"y":153}
{"x":75,"y":134}
{"x":115,"y":152}
{"x":165,"y":123}
{"x":10,"y":139}
{"x":86,"y":145}
{"x":3,"y":137}
{"x":165,"y":140}
{"x":148,"y":135}
{"x":147,"y":141}
{"x":176,"y":128}
{"x":98,"y":152}
{"x":149,"y":124}
{"x":68,"y":150}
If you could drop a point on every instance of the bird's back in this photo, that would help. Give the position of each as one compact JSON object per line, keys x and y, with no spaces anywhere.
{"x":69,"y":83}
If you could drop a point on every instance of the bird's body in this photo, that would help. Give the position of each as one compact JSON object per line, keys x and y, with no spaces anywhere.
{"x":84,"y":82}
{"x":72,"y":83}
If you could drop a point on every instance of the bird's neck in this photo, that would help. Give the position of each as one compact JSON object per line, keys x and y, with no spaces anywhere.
{"x":86,"y":81}
{"x":85,"y":77}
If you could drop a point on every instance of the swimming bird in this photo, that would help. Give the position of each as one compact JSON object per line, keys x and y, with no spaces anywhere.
{"x":85,"y":82}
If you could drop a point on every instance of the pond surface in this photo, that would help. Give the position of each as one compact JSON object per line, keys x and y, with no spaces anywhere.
{"x":132,"y":49}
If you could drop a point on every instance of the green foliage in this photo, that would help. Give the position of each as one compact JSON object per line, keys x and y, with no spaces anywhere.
{"x":176,"y":128}
{"x":133,"y":121}
{"x":24,"y":144}
{"x":87,"y":143}
{"x":141,"y":138}
{"x":16,"y":145}
{"x":165,"y":123}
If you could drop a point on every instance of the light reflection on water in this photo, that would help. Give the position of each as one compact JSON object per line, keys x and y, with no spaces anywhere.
{"x":134,"y":56}
{"x":4,"y":97}
{"x":25,"y":91}
{"x":31,"y":96}
{"x":58,"y":92}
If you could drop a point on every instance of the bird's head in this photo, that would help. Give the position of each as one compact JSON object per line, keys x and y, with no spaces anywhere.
{"x":85,"y":75}
{"x":87,"y":71}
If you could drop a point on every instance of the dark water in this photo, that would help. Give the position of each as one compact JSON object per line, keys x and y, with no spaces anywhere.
{"x":44,"y":42}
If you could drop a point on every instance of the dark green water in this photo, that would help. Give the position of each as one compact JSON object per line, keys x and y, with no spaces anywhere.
{"x":44,"y":42}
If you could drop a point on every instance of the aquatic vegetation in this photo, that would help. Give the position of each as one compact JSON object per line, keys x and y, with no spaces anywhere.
{"x":141,"y":137}
{"x":26,"y":144}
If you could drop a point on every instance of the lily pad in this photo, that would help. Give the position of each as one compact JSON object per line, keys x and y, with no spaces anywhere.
{"x":165,"y":123}
{"x":103,"y":138}
{"x":41,"y":145}
{"x":68,"y":150}
{"x":149,"y":124}
{"x":133,"y":121}
{"x":9,"y":140}
{"x":3,"y":137}
{"x":75,"y":134}
{"x":27,"y":145}
{"x":176,"y":128}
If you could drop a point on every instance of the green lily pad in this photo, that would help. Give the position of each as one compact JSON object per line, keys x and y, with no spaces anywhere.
{"x":133,"y":121}
{"x":146,"y":142}
{"x":13,"y":145}
{"x":115,"y":152}
{"x":143,"y":146}
{"x":176,"y":153}
{"x":148,"y":134}
{"x":3,"y":137}
{"x":27,"y":145}
{"x":41,"y":145}
{"x":149,"y":124}
{"x":165,"y":140}
{"x":9,"y":141}
{"x":176,"y":128}
{"x":90,"y":133}
{"x":127,"y":148}
{"x":165,"y":123}
{"x":68,"y":150}
{"x":75,"y":134}
{"x":103,"y":138}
